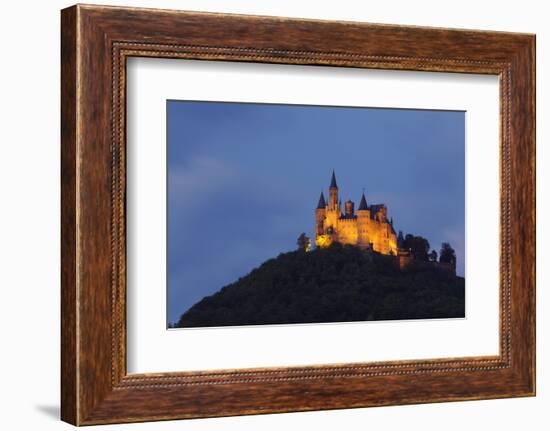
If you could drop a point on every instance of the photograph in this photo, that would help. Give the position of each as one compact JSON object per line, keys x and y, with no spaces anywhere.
{"x":283,"y":214}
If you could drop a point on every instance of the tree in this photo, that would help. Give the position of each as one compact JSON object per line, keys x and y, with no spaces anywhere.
{"x":400,"y":240}
{"x":418,"y":246}
{"x":304,"y":242}
{"x":433,"y":256}
{"x":447,"y":254}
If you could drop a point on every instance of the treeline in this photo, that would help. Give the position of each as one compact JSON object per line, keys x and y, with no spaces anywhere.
{"x":420,"y":249}
{"x":334,"y":284}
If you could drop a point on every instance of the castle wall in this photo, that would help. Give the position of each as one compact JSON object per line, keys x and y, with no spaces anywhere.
{"x":384,"y":240}
{"x":331,"y":220}
{"x":320,"y":215}
{"x":347,"y":231}
{"x":363,"y":218}
{"x":364,"y":229}
{"x":361,"y":231}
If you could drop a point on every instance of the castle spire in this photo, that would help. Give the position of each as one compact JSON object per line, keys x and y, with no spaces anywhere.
{"x":322,"y":204}
{"x":333,"y":193}
{"x":333,"y":184}
{"x":363,"y":203}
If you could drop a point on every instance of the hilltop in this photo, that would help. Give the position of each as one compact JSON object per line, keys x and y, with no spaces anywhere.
{"x":333,"y":284}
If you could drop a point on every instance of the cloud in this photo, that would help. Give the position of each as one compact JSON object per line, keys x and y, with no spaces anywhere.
{"x":194,"y":182}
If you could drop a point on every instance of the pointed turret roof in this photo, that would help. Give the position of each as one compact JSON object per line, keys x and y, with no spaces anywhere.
{"x":333,"y":184}
{"x":322,"y":204}
{"x":363,"y":203}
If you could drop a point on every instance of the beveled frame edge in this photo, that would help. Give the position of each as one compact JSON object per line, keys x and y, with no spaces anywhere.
{"x":95,"y":43}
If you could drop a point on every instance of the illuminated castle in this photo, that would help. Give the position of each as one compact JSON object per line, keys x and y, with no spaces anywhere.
{"x":368,"y":227}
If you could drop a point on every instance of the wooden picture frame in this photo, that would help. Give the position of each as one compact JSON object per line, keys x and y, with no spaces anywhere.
{"x":95,"y":43}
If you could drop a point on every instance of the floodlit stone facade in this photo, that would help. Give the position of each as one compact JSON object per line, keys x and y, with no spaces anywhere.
{"x":368,"y":227}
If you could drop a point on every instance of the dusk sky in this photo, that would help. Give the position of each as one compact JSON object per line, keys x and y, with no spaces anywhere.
{"x":244,"y":181}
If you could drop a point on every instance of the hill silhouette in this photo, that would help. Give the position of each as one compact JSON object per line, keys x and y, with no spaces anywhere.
{"x":334,"y":284}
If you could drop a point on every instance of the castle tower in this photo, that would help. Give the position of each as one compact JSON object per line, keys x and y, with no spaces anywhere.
{"x":320,"y":214}
{"x":363,"y":222}
{"x":333,"y":193}
{"x":333,"y":211}
{"x":349,"y":208}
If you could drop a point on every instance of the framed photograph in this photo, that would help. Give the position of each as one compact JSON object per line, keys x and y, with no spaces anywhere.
{"x":265,"y":214}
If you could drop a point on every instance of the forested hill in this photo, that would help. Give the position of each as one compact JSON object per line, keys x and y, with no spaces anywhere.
{"x":335,"y":284}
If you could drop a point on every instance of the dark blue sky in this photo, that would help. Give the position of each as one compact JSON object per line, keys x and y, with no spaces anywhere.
{"x":244,"y":180}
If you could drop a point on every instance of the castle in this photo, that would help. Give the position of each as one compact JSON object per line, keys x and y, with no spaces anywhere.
{"x":368,"y":227}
